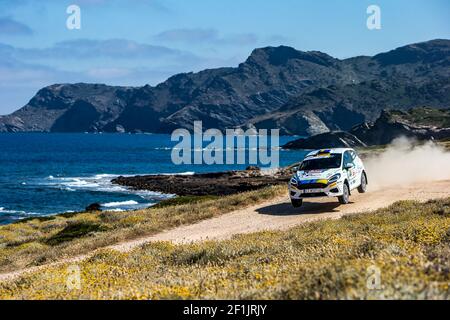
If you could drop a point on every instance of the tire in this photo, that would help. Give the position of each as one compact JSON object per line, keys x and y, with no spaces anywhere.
{"x":297,"y":203}
{"x":363,"y":186}
{"x":345,"y":198}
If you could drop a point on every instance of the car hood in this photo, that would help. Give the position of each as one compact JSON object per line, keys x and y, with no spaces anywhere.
{"x":324,"y":174}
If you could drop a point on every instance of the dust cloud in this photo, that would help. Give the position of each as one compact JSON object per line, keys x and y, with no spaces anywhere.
{"x":406,"y":162}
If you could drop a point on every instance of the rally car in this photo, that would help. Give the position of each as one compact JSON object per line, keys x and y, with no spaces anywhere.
{"x":328,"y":173}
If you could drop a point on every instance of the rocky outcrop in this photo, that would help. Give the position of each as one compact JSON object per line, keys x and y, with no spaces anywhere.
{"x":419,"y":123}
{"x":69,"y":108}
{"x":94,"y":207}
{"x":220,"y":183}
{"x":422,"y":123}
{"x":303,"y":93}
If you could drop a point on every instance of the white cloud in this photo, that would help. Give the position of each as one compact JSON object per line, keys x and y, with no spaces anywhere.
{"x":23,"y":71}
{"x":205,"y":36}
{"x":11,"y":27}
{"x":87,"y":48}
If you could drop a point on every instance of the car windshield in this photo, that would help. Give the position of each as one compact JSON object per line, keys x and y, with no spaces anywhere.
{"x":334,"y":161}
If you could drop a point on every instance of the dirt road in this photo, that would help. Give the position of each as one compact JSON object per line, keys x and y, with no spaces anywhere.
{"x":277,"y":214}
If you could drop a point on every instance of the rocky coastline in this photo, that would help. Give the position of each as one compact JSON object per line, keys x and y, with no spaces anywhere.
{"x":217,"y":184}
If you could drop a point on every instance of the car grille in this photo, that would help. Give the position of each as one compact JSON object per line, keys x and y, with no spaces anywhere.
{"x":312,"y":186}
{"x":313,"y":195}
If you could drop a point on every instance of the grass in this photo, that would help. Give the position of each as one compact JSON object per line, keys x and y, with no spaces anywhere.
{"x":406,"y":246}
{"x":43,"y":240}
{"x":182,"y":200}
{"x":41,"y":219}
{"x":425,"y":116}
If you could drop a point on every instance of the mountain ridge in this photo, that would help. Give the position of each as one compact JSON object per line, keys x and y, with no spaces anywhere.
{"x":299,"y":92}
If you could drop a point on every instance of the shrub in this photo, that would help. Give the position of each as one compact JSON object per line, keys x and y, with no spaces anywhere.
{"x":74,"y":231}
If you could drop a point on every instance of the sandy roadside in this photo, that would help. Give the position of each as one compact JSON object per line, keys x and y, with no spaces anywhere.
{"x":276,"y":214}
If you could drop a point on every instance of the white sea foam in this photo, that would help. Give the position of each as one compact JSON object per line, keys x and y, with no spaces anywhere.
{"x":78,"y":182}
{"x":102,"y":183}
{"x":6,"y":211}
{"x":120,"y":204}
{"x":164,"y":148}
{"x":95,"y":183}
{"x":187,"y":173}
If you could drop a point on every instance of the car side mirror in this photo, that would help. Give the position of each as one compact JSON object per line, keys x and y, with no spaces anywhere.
{"x":349,"y":166}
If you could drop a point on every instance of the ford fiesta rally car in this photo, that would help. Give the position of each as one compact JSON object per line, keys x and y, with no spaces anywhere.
{"x":328,"y":173}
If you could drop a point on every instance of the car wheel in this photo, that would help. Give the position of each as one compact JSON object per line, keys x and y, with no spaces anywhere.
{"x":363,"y":186}
{"x":296,"y":203}
{"x":344,"y":199}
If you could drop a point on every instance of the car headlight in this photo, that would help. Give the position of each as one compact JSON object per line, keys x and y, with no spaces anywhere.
{"x":334,"y":178}
{"x":293,"y":181}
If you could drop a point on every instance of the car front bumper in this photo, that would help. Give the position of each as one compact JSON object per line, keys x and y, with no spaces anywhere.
{"x":334,"y":189}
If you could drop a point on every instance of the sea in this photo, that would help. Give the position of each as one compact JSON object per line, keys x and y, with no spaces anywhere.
{"x":49,"y":173}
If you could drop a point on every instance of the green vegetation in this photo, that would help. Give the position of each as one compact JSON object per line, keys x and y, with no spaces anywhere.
{"x":41,"y":219}
{"x":408,"y":242}
{"x":74,"y":231}
{"x":183,"y":200}
{"x":425,"y":116}
{"x":42,"y":240}
{"x":445,"y":143}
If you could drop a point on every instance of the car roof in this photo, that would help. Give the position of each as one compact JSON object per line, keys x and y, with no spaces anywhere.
{"x":318,"y":153}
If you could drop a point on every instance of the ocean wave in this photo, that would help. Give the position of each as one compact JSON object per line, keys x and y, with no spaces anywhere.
{"x":120,"y":203}
{"x":102,"y":183}
{"x":99,"y":182}
{"x":187,"y":173}
{"x":94,"y":185}
{"x":12,"y":212}
{"x":3,"y":210}
{"x":81,"y":183}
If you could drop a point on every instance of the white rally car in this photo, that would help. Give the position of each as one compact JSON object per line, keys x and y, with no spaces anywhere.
{"x":328,"y":173}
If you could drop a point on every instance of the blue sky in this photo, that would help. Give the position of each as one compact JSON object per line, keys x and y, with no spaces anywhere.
{"x":138,"y":42}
